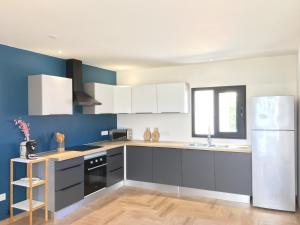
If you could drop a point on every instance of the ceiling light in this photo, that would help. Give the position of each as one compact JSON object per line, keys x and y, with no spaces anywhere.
{"x":59,"y":52}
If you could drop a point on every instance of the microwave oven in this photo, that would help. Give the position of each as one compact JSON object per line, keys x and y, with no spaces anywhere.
{"x":120,"y":134}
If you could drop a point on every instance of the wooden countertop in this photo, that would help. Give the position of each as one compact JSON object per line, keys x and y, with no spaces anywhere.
{"x":194,"y":146}
{"x":106,"y":145}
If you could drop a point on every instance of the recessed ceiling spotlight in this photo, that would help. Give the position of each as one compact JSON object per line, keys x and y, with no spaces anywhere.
{"x":52,"y":36}
{"x":211,"y":60}
{"x":59,"y":51}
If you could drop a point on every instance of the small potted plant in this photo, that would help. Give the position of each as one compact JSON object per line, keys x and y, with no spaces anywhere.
{"x":24,"y":127}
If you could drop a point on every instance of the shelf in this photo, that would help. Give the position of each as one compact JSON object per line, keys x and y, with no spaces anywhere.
{"x":26,"y":183}
{"x":24,"y":205}
{"x":20,"y":160}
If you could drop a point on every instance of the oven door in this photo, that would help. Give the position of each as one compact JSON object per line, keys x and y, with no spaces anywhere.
{"x":94,"y":178}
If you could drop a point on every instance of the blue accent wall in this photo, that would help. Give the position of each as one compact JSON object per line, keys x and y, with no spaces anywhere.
{"x":15,"y":66}
{"x":91,"y":74}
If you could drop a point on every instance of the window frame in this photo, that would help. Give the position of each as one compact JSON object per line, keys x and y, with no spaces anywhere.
{"x":241,"y":112}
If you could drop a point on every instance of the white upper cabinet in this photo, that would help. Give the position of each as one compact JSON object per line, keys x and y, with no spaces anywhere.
{"x":104,"y":94}
{"x":122,"y":99}
{"x":144,"y":99}
{"x":173,"y":98}
{"x":49,"y":95}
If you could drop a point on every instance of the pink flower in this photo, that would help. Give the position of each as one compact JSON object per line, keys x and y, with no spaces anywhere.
{"x":24,"y":127}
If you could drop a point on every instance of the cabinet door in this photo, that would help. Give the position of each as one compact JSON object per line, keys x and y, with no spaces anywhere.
{"x":144,"y":99}
{"x":122,"y":99}
{"x":167,"y":166}
{"x":139,"y":163}
{"x":198,"y":169}
{"x":49,"y":95}
{"x":69,"y":182}
{"x":57,"y":95}
{"x":115,"y":166}
{"x":233,"y":172}
{"x":172,"y":98}
{"x":68,"y":196}
{"x":103,"y":93}
{"x":115,"y":160}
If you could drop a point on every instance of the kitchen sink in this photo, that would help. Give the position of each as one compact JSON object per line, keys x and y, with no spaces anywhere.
{"x":204,"y":145}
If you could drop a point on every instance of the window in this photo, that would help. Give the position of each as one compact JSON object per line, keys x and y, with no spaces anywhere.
{"x":219,"y":111}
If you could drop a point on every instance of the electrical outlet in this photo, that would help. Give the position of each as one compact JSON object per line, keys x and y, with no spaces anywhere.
{"x":104,"y":133}
{"x":2,"y":197}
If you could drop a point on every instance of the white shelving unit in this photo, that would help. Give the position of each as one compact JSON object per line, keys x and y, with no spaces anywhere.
{"x":24,"y":205}
{"x":23,"y":183}
{"x":29,"y":204}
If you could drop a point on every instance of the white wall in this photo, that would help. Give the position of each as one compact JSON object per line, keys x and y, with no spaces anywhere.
{"x":275,"y":75}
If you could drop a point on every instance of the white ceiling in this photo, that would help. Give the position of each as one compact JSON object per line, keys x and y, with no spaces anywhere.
{"x":126,"y":34}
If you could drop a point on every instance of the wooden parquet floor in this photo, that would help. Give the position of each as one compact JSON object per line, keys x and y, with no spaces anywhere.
{"x":131,"y":206}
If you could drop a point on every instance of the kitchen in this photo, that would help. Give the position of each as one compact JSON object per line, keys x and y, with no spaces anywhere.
{"x":184,"y":164}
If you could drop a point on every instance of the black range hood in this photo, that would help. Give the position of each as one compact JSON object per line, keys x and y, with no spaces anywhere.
{"x":74,"y":71}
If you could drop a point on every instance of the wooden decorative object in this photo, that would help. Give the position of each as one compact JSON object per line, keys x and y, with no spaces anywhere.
{"x":155,"y":135}
{"x":147,"y":134}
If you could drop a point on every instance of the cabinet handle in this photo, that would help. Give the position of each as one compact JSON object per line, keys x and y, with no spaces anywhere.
{"x":111,"y":171}
{"x":144,"y":113}
{"x":89,"y":169}
{"x":70,"y":167}
{"x":73,"y":185}
{"x":113,"y":155}
{"x":170,"y":112}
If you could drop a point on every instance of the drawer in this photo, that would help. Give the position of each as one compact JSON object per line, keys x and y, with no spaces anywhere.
{"x":61,"y":165}
{"x":68,"y":196}
{"x":115,"y":161}
{"x":115,"y":176}
{"x":69,"y":176}
{"x":115,"y":151}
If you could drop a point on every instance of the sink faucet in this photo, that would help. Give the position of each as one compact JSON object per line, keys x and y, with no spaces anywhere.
{"x":209,"y":140}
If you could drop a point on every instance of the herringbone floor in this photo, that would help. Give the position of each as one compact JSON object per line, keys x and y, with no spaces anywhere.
{"x":130,"y":206}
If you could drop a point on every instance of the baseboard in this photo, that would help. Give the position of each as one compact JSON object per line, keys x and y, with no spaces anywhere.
{"x":189,"y":192}
{"x":192,"y":192}
{"x":17,"y":217}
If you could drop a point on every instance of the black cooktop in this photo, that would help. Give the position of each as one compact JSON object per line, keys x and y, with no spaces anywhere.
{"x":82,"y":148}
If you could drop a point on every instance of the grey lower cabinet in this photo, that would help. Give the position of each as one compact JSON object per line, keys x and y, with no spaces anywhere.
{"x":198,"y":169}
{"x":167,"y":166}
{"x":139,"y":162}
{"x":115,"y":166}
{"x":233,"y":172}
{"x":69,"y":182}
{"x":229,"y":172}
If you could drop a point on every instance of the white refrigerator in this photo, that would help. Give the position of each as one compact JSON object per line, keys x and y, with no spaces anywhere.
{"x":273,"y":152}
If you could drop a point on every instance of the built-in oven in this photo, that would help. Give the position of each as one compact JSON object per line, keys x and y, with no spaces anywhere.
{"x":94,"y":172}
